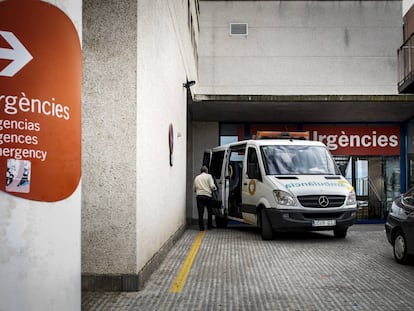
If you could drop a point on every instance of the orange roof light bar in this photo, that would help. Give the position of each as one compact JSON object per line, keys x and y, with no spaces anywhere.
{"x":282,"y":135}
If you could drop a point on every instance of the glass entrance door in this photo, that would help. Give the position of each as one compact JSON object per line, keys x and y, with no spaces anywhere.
{"x":376,"y":182}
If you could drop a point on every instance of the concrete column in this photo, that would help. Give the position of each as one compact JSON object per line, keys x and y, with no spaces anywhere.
{"x":40,"y":200}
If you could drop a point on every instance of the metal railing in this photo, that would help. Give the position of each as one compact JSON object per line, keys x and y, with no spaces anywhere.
{"x":406,"y":61}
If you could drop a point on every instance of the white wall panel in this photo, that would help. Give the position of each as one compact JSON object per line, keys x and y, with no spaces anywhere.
{"x":300,"y":47}
{"x":40,"y":242}
{"x":161,"y":100}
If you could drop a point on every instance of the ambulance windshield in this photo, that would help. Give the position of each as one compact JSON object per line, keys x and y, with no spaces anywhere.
{"x":298,"y":160}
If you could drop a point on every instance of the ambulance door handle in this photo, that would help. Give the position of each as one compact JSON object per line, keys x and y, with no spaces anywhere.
{"x":245,"y":183}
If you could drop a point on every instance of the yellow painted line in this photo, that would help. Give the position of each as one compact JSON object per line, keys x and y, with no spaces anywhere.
{"x":179,"y":281}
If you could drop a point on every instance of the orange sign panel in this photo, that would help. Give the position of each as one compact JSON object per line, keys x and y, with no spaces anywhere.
{"x":40,"y":101}
{"x":358,"y":140}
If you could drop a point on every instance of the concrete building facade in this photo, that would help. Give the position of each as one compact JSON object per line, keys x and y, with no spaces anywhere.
{"x":40,"y":218}
{"x":313,"y":65}
{"x":329,"y":67}
{"x":137,"y":55}
{"x":299,"y":47}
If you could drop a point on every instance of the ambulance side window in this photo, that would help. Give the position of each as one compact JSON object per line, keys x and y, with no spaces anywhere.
{"x":253,"y":171}
{"x":216,"y":164}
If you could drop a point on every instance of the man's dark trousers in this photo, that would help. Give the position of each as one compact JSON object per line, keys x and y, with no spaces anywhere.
{"x":204,"y":201}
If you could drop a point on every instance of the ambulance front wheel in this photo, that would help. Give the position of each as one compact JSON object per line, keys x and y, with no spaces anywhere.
{"x":340,"y":234}
{"x":266,"y":227}
{"x":221,"y":222}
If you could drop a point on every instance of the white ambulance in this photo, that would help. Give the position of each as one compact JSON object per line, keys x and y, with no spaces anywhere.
{"x":283,"y":184}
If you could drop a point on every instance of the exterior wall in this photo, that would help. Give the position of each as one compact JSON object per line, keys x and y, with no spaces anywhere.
{"x":40,"y":257}
{"x":137,"y":56}
{"x":109,"y":137}
{"x":165,"y":62}
{"x":300,"y":47}
{"x":205,"y":135}
{"x":405,"y":55}
{"x":408,"y":19}
{"x":406,"y":5}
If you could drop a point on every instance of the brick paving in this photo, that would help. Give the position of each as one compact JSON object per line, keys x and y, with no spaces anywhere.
{"x":235,"y":270}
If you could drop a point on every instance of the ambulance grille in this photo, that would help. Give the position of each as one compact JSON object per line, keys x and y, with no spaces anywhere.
{"x":313,"y":201}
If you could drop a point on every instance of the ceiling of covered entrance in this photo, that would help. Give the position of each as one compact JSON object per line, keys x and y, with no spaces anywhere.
{"x":304,"y":108}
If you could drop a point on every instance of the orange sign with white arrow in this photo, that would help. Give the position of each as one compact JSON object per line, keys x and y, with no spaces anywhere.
{"x":40,"y":101}
{"x":18,"y":54}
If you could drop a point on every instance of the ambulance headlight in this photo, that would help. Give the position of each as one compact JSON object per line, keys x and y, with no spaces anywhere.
{"x":284,"y":198}
{"x":351,"y":199}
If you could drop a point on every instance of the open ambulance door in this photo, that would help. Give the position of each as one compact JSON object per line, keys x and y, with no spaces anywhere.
{"x":216,"y":160}
{"x":207,"y":158}
{"x":252,"y":188}
{"x":234,"y":178}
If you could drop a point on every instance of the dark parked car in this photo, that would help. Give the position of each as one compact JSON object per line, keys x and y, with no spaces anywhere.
{"x":400,"y":226}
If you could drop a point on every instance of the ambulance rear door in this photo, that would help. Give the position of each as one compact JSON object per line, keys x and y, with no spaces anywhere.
{"x":217,"y":169}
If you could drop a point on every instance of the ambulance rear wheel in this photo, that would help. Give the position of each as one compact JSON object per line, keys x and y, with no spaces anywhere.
{"x":221,"y":222}
{"x":267,"y":231}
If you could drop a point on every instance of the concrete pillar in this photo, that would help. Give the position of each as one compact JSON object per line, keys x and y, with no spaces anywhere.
{"x":40,"y":155}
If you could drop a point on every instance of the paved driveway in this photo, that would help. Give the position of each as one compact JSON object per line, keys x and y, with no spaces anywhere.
{"x":235,"y":270}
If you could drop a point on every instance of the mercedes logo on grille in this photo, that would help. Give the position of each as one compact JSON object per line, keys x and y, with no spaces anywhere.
{"x":323,"y":201}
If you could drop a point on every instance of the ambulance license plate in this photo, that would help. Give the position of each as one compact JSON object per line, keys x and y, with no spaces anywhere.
{"x":323,"y":223}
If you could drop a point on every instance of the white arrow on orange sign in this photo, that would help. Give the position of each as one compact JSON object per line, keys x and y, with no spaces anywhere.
{"x":19,"y":55}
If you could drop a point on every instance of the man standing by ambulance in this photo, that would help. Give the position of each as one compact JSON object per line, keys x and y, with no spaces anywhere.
{"x":203,"y":187}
